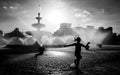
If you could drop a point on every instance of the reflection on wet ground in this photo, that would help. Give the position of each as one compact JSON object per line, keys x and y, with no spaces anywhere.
{"x":57,"y":63}
{"x":52,"y":62}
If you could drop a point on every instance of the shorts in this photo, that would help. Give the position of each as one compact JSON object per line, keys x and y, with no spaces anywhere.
{"x":78,"y":56}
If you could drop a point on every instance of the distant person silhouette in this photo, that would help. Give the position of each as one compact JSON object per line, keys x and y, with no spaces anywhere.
{"x":78,"y":46}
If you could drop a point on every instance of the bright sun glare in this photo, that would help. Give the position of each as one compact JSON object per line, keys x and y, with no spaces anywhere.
{"x":57,"y":53}
{"x":55,"y":16}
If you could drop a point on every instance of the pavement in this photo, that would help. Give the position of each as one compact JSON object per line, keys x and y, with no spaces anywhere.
{"x":57,"y":62}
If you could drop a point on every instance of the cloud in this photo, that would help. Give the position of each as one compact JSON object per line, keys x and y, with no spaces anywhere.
{"x":4,"y":7}
{"x":12,"y":7}
{"x":103,"y":11}
{"x":8,"y":9}
{"x":100,"y":9}
{"x":83,"y":15}
{"x":9,"y":4}
{"x":86,"y":12}
{"x":5,"y":17}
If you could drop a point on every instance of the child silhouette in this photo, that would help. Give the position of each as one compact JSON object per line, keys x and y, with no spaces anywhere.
{"x":78,"y":46}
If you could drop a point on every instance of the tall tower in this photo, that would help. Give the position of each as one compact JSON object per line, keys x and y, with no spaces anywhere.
{"x":38,"y":25}
{"x":39,"y":18}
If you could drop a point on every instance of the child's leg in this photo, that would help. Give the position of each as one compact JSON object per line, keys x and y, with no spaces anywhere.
{"x":77,"y":63}
{"x":77,"y":60}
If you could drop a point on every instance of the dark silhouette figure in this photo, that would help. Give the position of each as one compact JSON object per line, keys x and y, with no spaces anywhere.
{"x":78,"y":46}
{"x":41,"y":51}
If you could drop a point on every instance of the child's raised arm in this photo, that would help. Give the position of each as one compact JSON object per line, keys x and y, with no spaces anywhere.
{"x":69,"y":45}
{"x":87,"y":46}
{"x":57,"y":46}
{"x":51,"y":46}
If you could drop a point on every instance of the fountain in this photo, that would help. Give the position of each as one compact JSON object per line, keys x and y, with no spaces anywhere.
{"x":38,"y":25}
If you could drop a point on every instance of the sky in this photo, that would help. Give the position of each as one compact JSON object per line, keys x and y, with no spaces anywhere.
{"x":22,"y":13}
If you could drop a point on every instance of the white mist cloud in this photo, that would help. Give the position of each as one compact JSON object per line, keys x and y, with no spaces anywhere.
{"x":57,"y":41}
{"x":16,"y":41}
{"x":29,"y":41}
{"x":3,"y":42}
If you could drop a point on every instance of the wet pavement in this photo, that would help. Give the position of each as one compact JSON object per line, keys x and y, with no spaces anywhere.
{"x":57,"y":62}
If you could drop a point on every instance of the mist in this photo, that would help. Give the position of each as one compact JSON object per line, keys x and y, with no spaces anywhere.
{"x":89,"y":34}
